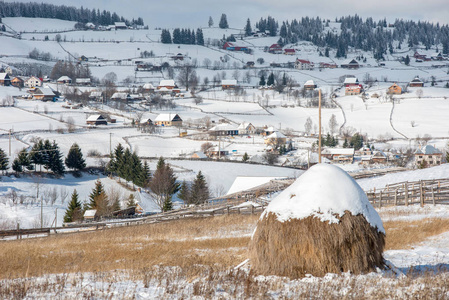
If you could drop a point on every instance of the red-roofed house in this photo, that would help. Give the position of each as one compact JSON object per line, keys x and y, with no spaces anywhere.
{"x":302,"y":64}
{"x":289,"y":51}
{"x":275,"y":49}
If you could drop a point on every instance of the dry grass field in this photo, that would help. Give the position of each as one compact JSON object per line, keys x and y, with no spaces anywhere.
{"x":194,"y":252}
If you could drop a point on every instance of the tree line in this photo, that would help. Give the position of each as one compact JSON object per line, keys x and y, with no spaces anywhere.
{"x":62,"y":12}
{"x":183,"y":36}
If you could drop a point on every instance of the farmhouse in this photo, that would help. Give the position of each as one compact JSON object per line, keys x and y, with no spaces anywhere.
{"x":17,"y":82}
{"x":416,"y":82}
{"x":328,"y":65}
{"x":120,"y":96}
{"x":148,"y":88}
{"x":4,"y":79}
{"x":167,"y":83}
{"x":353,"y":64}
{"x":82,"y":81}
{"x":96,"y":95}
{"x":168,"y":120}
{"x":302,"y":64}
{"x":289,"y":51}
{"x":419,"y":56}
{"x":44,"y":94}
{"x":146,"y":122}
{"x":275,"y":49}
{"x":224,"y":130}
{"x":199,"y":155}
{"x":353,"y":90}
{"x":120,"y":25}
{"x":341,"y":155}
{"x":276,"y":138}
{"x":64,"y":80}
{"x":246,"y":128}
{"x":428,"y":156}
{"x":228,"y":84}
{"x":96,"y":120}
{"x":309,"y":85}
{"x":217,"y":152}
{"x":394,"y":90}
{"x":232,"y":47}
{"x":33,"y":82}
{"x":379,"y":157}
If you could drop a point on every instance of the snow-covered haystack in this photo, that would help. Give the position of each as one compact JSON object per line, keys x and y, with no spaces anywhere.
{"x":323,"y":223}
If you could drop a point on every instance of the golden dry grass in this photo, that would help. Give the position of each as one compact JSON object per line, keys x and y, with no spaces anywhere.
{"x":219,"y":243}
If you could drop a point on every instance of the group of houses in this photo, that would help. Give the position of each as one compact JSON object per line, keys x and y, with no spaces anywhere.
{"x":422,"y":57}
{"x":164,"y":120}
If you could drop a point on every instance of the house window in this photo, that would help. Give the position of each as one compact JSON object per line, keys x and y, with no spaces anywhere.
{"x":420,"y":156}
{"x":438,"y":162}
{"x":430,"y":156}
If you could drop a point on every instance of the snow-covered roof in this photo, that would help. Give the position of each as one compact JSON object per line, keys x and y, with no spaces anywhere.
{"x":229,"y":82}
{"x":353,"y":80}
{"x":339,"y":151}
{"x":82,"y":80}
{"x":200,"y":154}
{"x":276,"y":135}
{"x":94,"y":117}
{"x":270,"y":129}
{"x":148,"y":86}
{"x":417,"y":80}
{"x":3,"y":76}
{"x":64,"y":78}
{"x":244,"y":125}
{"x":428,"y":150}
{"x":46,"y":91}
{"x":324,"y":192}
{"x":120,"y":24}
{"x":224,"y":127}
{"x":309,"y":83}
{"x":243,"y":183}
{"x":165,"y":117}
{"x":96,"y":94}
{"x":167,"y":82}
{"x":119,"y":95}
{"x":90,"y":213}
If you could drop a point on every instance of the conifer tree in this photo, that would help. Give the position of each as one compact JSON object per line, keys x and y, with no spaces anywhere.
{"x":131,"y":201}
{"x":184,"y":192}
{"x":199,"y":191}
{"x":74,"y":159}
{"x":270,"y":80}
{"x":262,"y":80}
{"x":211,"y":22}
{"x":223,"y":22}
{"x":16,"y":166}
{"x":199,"y":37}
{"x":74,"y":210}
{"x":248,"y":29}
{"x":3,"y":161}
{"x":54,"y":161}
{"x":163,"y":184}
{"x":98,"y":199}
{"x":245,"y":157}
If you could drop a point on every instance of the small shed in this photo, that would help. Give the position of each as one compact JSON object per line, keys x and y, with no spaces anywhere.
{"x":64,"y":80}
{"x":309,"y":85}
{"x":90,"y":215}
{"x":228,"y":84}
{"x":394,"y":90}
{"x":416,"y":82}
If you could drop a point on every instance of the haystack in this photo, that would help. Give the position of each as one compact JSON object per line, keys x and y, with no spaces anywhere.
{"x":323,"y":223}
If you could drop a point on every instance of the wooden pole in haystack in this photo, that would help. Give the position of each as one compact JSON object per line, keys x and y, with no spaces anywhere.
{"x":319,"y":124}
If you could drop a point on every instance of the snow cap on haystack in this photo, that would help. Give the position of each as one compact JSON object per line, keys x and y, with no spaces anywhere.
{"x":323,"y":223}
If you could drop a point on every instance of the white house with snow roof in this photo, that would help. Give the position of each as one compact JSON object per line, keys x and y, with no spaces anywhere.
{"x":246,"y":128}
{"x":168,"y":120}
{"x":309,"y":85}
{"x":276,"y":138}
{"x":224,"y":130}
{"x":428,"y":156}
{"x":169,"y":84}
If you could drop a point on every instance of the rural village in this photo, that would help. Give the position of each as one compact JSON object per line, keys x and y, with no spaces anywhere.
{"x":115,"y":133}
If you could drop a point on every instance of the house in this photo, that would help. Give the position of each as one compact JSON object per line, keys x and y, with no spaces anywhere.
{"x":168,"y":120}
{"x":353,"y":64}
{"x":438,"y":56}
{"x":228,"y":84}
{"x":309,"y":85}
{"x":419,"y":56}
{"x":44,"y":94}
{"x":33,"y":81}
{"x":302,"y":64}
{"x":289,"y":51}
{"x":269,"y":130}
{"x":351,"y":81}
{"x":416,"y":82}
{"x":90,"y":25}
{"x":119,"y":96}
{"x":18,"y":82}
{"x":96,"y":95}
{"x":232,"y":47}
{"x":276,"y":138}
{"x":328,"y":65}
{"x":428,"y":156}
{"x":340,"y":155}
{"x":353,"y":90}
{"x":364,"y":151}
{"x":178,"y":56}
{"x":96,"y":120}
{"x":148,"y":88}
{"x":246,"y":128}
{"x":224,"y":130}
{"x":378,"y":157}
{"x":169,"y":84}
{"x":217,"y":152}
{"x":120,"y":25}
{"x":146,"y":122}
{"x":250,"y":64}
{"x":82,"y":81}
{"x":5,"y":80}
{"x":275,"y":49}
{"x":64,"y":80}
{"x":394,"y":90}
{"x":199,"y":155}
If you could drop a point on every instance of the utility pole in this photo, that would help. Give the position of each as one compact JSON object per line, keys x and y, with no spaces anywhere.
{"x":110,"y":144}
{"x":319,"y":124}
{"x":10,"y":142}
{"x":42,"y":214}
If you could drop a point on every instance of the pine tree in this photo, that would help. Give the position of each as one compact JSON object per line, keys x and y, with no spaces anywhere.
{"x":24,"y":159}
{"x":223,"y":22}
{"x":270,"y":80}
{"x":3,"y":161}
{"x":184,"y":192}
{"x":36,"y":154}
{"x":98,"y":199}
{"x":245,"y":157}
{"x":199,"y":37}
{"x":16,"y":166}
{"x":74,"y":159}
{"x":199,"y":192}
{"x":345,"y":143}
{"x":131,"y":201}
{"x":116,"y":161}
{"x":54,"y":159}
{"x":248,"y":29}
{"x":211,"y":22}
{"x":74,"y":210}
{"x":262,"y":80}
{"x":163,"y":184}
{"x":407,"y":60}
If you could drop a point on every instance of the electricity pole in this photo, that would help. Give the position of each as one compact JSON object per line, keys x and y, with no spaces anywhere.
{"x":319,"y":124}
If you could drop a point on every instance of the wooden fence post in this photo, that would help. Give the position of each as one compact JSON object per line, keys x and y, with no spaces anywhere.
{"x":433,"y":197}
{"x":395,"y":197}
{"x":421,"y":192}
{"x":406,"y":194}
{"x":380,"y":199}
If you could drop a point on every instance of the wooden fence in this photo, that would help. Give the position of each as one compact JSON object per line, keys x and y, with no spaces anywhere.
{"x":406,"y":193}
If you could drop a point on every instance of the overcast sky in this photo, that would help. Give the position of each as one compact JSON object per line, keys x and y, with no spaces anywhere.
{"x":194,"y":13}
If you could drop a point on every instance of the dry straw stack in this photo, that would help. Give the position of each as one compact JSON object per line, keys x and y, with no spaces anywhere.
{"x":323,"y":223}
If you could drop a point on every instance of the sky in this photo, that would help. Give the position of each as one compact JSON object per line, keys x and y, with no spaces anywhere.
{"x":195,"y":13}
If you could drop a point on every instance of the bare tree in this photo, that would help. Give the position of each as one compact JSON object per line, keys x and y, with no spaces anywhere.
{"x":186,"y":75}
{"x":270,"y":158}
{"x":63,"y":193}
{"x":206,"y":63}
{"x":206,"y":146}
{"x":333,"y":124}
{"x":53,"y":195}
{"x":308,"y":125}
{"x":419,"y":93}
